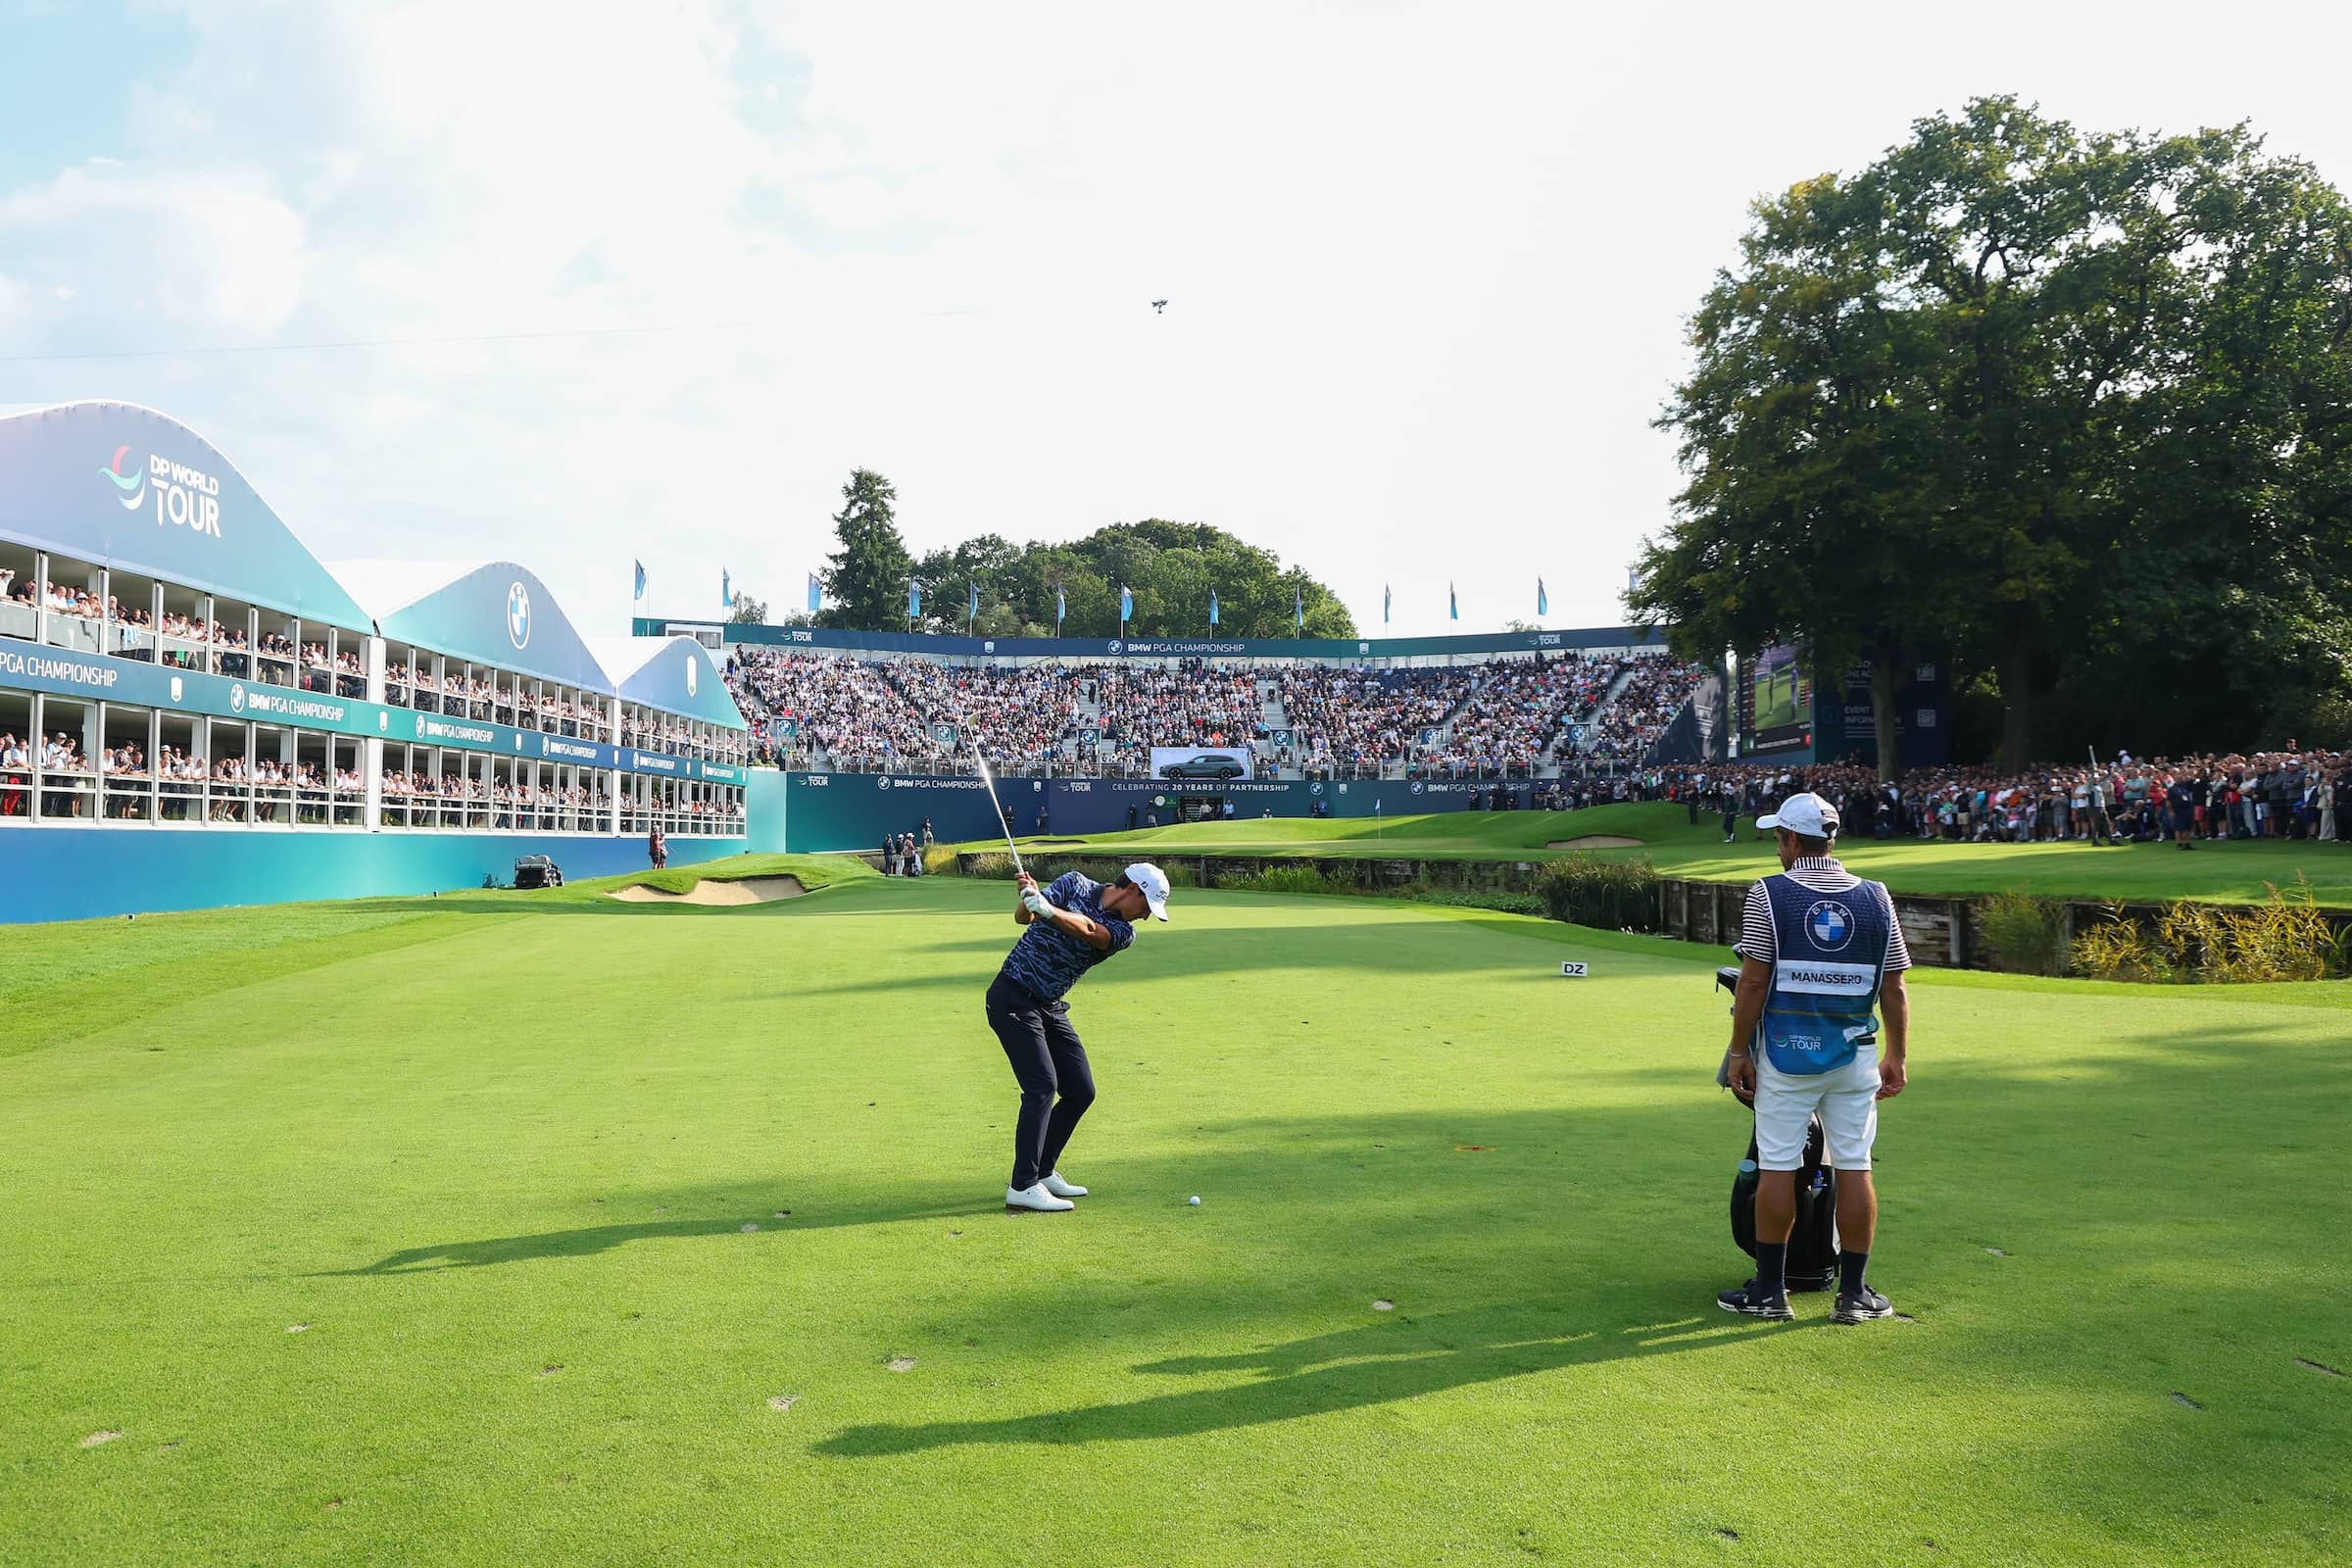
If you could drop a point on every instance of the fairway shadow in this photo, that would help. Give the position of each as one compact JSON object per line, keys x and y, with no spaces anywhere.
{"x":588,"y":1241}
{"x":1378,"y":1364}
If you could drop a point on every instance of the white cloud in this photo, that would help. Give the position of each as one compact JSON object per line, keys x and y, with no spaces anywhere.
{"x":168,"y":250}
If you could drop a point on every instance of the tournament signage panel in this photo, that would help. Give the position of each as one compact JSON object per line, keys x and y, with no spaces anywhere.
{"x":1202,"y":764}
{"x":100,"y":677}
{"x":126,"y":488}
{"x":1099,"y":649}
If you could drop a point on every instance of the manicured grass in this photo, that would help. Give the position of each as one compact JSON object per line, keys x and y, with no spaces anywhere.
{"x":498,"y":1157}
{"x":2150,"y":872}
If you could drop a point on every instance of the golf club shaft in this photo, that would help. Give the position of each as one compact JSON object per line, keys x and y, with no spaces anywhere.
{"x":990,"y":779}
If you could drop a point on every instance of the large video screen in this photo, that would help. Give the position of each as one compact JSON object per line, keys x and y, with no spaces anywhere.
{"x":1779,"y":703}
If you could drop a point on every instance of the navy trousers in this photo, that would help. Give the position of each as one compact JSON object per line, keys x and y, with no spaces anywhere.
{"x":1050,"y":1062}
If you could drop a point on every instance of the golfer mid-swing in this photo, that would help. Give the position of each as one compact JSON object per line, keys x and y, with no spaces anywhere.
{"x":1073,"y":926}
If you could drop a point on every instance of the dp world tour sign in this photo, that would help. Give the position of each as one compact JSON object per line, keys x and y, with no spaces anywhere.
{"x":125,"y":487}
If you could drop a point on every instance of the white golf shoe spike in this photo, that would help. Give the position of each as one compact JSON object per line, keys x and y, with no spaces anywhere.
{"x":1036,"y":1199}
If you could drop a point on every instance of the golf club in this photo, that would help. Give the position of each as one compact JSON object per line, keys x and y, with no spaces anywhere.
{"x":990,"y":779}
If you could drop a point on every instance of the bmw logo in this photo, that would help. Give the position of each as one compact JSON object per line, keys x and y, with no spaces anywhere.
{"x":1114,"y":644}
{"x":1316,"y":787}
{"x":237,"y":698}
{"x":518,"y":614}
{"x":883,"y":782}
{"x":1830,"y":924}
{"x":1417,"y":786}
{"x":420,"y":726}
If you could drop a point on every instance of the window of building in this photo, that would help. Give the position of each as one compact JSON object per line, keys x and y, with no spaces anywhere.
{"x":65,"y":782}
{"x":17,"y":743}
{"x":126,"y":763}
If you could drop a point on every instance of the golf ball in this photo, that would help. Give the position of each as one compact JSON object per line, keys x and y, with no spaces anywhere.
{"x":1195,"y":1199}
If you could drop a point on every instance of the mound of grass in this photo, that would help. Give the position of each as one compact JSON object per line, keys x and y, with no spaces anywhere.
{"x":2224,"y":873}
{"x":617,"y":1237}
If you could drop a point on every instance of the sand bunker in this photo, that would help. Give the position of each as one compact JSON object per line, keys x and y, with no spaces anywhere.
{"x":1595,"y":840}
{"x":750,"y":890}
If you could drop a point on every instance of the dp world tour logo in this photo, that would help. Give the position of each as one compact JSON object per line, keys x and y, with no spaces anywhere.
{"x":518,"y":614}
{"x":1830,"y":924}
{"x":690,"y":674}
{"x":131,"y":481}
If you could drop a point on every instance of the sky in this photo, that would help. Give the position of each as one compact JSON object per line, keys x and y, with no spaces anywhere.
{"x":648,"y":281}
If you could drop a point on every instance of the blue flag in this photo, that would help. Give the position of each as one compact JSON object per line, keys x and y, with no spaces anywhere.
{"x":639,"y":592}
{"x":974,"y":611}
{"x":727,"y":588}
{"x":1542,"y":599}
{"x":1454,"y":605}
{"x":817,"y":594}
{"x":1385,"y":597}
{"x":1061,"y":609}
{"x":1126,"y":604}
{"x":1213,"y":606}
{"x":1298,"y":606}
{"x":914,"y":601}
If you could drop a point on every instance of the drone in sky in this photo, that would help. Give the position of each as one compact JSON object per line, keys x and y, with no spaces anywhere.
{"x":1159,"y":307}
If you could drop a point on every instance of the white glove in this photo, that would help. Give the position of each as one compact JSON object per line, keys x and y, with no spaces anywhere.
{"x":1035,"y":902}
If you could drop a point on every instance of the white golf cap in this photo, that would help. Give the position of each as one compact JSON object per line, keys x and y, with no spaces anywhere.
{"x":1807,"y":814}
{"x":1155,"y":883}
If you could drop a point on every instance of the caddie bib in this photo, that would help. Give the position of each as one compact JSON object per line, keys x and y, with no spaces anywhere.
{"x":1830,"y":953}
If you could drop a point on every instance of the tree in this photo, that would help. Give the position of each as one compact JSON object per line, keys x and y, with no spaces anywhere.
{"x":866,"y":579}
{"x":2037,"y":399}
{"x":749,"y":611}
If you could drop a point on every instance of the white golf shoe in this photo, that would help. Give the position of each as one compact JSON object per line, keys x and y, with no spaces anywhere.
{"x":1035,"y":1199}
{"x":1061,"y":1189}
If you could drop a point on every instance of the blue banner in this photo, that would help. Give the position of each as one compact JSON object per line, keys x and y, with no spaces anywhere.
{"x":133,"y":682}
{"x":1093,"y":649}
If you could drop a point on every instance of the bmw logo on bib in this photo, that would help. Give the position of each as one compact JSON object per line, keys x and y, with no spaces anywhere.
{"x":1830,"y":924}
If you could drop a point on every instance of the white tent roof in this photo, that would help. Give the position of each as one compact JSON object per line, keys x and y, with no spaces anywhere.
{"x":383,"y":588}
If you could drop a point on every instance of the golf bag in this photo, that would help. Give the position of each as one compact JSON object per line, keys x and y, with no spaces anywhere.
{"x":1813,"y":1242}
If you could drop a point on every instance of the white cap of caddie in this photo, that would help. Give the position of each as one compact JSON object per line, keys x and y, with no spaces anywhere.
{"x":1808,"y":814}
{"x":1155,"y":883}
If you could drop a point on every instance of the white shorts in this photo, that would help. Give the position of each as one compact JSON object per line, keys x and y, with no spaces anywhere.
{"x":1846,"y":1097}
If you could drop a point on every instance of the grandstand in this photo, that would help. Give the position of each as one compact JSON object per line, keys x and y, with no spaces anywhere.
{"x":182,"y":681}
{"x":1478,"y":716}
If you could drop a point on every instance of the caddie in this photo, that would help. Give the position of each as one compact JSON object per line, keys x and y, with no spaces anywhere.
{"x":1821,"y":954}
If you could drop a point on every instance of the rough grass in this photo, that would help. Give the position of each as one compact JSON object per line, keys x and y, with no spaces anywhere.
{"x":2229,"y":873}
{"x":498,"y":1157}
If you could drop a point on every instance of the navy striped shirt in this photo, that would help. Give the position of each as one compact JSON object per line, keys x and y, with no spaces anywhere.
{"x":1760,"y":939}
{"x":1048,"y":960}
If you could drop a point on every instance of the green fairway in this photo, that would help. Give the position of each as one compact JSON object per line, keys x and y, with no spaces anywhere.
{"x":519,"y":1228}
{"x":2222,"y":872}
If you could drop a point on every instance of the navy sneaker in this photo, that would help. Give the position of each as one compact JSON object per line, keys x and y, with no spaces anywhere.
{"x":1749,"y":1302}
{"x":1859,"y":1306}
